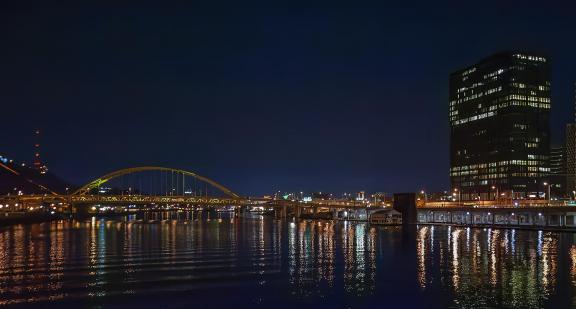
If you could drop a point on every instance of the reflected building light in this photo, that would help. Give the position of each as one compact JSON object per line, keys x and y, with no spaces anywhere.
{"x":372,"y":258}
{"x":468,"y":239}
{"x":432,"y":239}
{"x":540,"y":240}
{"x":549,"y":260}
{"x":292,"y":251}
{"x":476,"y":252}
{"x":348,"y":249}
{"x":456,"y":259}
{"x":421,"y":255}
{"x":360,"y":255}
{"x":449,"y":232}
{"x":513,"y":242}
{"x":495,"y":241}
{"x":488,"y":239}
{"x":545,"y":265}
{"x":506,"y":243}
{"x":573,"y":265}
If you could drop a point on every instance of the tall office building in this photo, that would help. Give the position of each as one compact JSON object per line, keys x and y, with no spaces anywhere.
{"x":558,"y":165}
{"x":571,"y":154}
{"x":499,"y":127}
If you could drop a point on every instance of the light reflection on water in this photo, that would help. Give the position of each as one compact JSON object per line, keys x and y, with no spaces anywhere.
{"x":189,"y":259}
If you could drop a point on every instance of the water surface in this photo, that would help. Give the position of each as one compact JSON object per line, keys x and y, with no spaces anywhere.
{"x":179,"y":260}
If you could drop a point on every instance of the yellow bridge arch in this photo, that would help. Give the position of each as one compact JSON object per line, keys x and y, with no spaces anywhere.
{"x":98,"y":182}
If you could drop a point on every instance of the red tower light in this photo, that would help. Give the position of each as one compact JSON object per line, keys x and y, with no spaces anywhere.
{"x":37,"y":162}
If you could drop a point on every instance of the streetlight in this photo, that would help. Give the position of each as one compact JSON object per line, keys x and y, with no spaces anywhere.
{"x":457,"y":192}
{"x":425,"y":196}
{"x":548,"y":185}
{"x":496,"y":196}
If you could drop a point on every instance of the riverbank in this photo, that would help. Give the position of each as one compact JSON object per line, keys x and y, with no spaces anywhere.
{"x":28,"y":218}
{"x":507,"y":227}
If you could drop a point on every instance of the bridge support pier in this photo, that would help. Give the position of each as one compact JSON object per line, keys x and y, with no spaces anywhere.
{"x":405,"y":203}
{"x":239,"y":211}
{"x":281,"y":212}
{"x":297,"y":211}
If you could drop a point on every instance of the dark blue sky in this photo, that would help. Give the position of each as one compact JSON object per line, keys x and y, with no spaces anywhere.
{"x":329,"y":98}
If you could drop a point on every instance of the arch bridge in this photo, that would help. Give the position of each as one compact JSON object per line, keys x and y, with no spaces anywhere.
{"x":97,"y":183}
{"x":153,"y":185}
{"x":165,"y":186}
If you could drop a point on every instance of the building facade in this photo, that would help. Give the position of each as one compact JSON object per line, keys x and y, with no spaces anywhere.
{"x":499,"y":127}
{"x":558,"y":171}
{"x":571,"y":154}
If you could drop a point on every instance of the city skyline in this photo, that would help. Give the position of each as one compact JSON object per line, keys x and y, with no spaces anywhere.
{"x":271,"y":155}
{"x":310,"y":100}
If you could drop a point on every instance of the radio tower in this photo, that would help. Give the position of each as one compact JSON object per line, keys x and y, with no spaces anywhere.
{"x":37,"y":162}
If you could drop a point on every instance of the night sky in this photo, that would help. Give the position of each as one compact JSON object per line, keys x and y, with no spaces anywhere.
{"x":324,"y":98}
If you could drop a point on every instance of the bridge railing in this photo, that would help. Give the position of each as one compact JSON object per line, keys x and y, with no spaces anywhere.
{"x":498,"y":204}
{"x":138,"y":199}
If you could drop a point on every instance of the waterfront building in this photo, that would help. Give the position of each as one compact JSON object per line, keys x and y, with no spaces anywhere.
{"x":499,"y":126}
{"x":571,"y":158}
{"x":558,"y":172}
{"x":571,"y":154}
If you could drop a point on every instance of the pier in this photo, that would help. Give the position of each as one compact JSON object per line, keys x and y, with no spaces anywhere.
{"x":549,"y":217}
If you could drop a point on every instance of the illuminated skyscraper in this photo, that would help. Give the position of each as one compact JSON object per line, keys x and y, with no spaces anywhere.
{"x":571,"y":154}
{"x":499,"y":126}
{"x":558,"y":171}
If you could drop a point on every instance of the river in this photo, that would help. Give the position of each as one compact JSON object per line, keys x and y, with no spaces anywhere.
{"x":185,"y":259}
